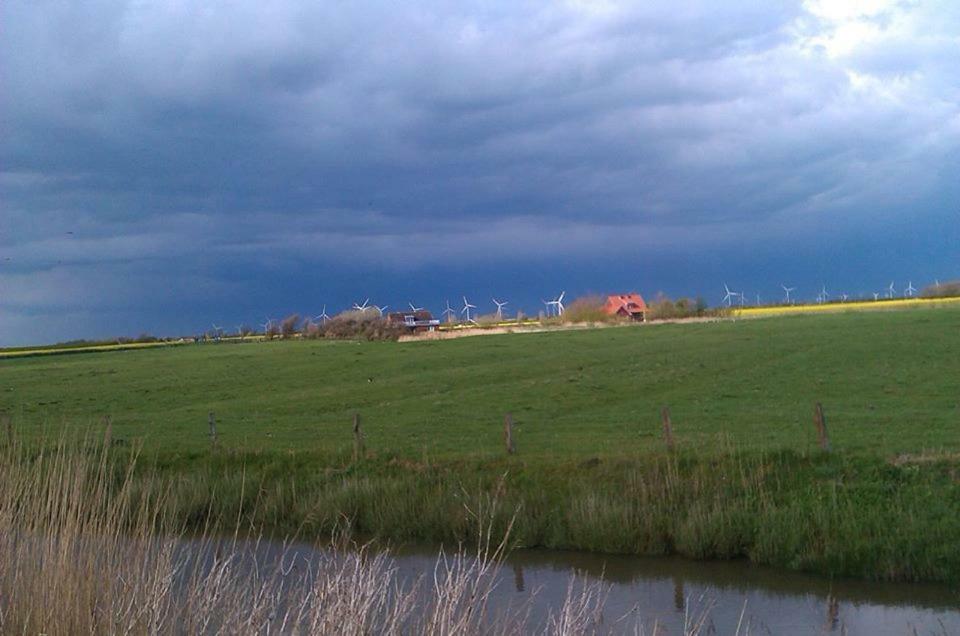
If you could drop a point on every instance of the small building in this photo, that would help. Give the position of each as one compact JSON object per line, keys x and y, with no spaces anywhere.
{"x":419,"y":320}
{"x":629,"y":305}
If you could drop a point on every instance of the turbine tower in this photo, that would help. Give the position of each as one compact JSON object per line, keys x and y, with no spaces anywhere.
{"x":500,"y":306}
{"x":730,"y":295}
{"x":449,"y":312}
{"x":558,"y":303}
{"x":466,"y":309}
{"x":787,"y":290}
{"x":910,"y":290}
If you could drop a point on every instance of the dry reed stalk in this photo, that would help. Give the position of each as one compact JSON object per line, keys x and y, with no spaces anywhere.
{"x":82,"y":553}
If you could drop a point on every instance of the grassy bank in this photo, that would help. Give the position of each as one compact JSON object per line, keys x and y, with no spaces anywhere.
{"x":834,"y":515}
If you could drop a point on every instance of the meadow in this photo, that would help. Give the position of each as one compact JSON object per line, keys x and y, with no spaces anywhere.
{"x":591,"y":470}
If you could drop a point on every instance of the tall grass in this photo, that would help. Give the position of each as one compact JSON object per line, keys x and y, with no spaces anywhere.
{"x":88,"y":545}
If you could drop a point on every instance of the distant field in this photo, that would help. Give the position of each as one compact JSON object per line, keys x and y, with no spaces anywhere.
{"x":886,"y":379}
{"x":854,"y":305}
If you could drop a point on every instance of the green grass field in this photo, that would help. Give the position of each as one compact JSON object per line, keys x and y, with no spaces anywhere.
{"x":591,"y":472}
{"x":888,"y":382}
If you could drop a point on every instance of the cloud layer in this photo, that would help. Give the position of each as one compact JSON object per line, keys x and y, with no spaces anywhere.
{"x":164,"y":156}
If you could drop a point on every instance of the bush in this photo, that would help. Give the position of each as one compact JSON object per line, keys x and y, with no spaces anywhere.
{"x":663,"y":308}
{"x":363,"y":325}
{"x":942,"y":290}
{"x":288,"y":327}
{"x":587,"y":309}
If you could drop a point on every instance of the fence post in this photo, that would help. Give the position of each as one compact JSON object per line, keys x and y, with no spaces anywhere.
{"x":820,"y":421}
{"x":508,"y":434}
{"x":213,"y":429}
{"x":358,"y":449}
{"x":667,"y":427}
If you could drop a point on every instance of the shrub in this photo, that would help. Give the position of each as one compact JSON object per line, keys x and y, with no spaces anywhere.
{"x":363,"y":325}
{"x":942,"y":290}
{"x":664,"y":308}
{"x":587,"y":309}
{"x":288,"y":327}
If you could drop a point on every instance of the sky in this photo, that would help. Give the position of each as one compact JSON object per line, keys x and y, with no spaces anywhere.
{"x":169,"y":165}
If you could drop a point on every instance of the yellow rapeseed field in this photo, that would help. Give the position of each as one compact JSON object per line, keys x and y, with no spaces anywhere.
{"x":860,"y":305}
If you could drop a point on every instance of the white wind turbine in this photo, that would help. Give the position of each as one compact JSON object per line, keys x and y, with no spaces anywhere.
{"x":380,"y":309}
{"x":558,"y":303}
{"x":823,"y":295}
{"x":910,"y":290}
{"x":843,"y":297}
{"x":466,"y":309}
{"x":500,"y":306}
{"x":876,"y":296}
{"x":322,"y":316}
{"x":414,"y":307}
{"x":546,"y":306}
{"x":449,"y":312}
{"x":217,"y":332}
{"x":787,"y":291}
{"x":267,"y":325}
{"x":729,"y":296}
{"x":362,"y":308}
{"x":890,"y":290}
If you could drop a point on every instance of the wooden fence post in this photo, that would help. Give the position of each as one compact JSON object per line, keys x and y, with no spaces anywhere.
{"x":213,"y":429}
{"x":508,"y":434}
{"x":820,"y":421}
{"x":358,"y":448}
{"x":667,"y":427}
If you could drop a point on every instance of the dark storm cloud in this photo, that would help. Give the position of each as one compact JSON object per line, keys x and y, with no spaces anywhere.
{"x":183,"y":142}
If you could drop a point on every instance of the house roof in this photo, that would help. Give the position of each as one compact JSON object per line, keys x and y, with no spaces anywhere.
{"x":631,"y":303}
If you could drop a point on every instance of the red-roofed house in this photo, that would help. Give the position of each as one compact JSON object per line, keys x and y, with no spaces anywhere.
{"x":626,"y":305}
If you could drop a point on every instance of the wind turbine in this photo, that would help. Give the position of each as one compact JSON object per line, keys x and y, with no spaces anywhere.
{"x":240,"y":331}
{"x":787,"y":290}
{"x":362,"y":308}
{"x":729,"y":295}
{"x":890,"y":290}
{"x":267,"y":325}
{"x":500,"y":306}
{"x":414,"y":307}
{"x":217,"y":332}
{"x":546,"y":306}
{"x":466,"y":309}
{"x":876,"y":296}
{"x":322,"y":315}
{"x":558,"y":303}
{"x":843,"y":297}
{"x":910,"y":290}
{"x":380,"y":309}
{"x":449,"y":312}
{"x":823,"y":295}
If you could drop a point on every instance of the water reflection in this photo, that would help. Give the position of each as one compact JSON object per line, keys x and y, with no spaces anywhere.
{"x":664,"y":590}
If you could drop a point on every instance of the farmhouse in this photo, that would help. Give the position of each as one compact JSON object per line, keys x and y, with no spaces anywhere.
{"x":627,"y":305}
{"x":419,"y":320}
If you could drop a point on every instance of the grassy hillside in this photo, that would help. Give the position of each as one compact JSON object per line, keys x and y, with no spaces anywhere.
{"x":887,"y":381}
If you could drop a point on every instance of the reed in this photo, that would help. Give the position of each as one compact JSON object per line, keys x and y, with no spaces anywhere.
{"x":89,"y":546}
